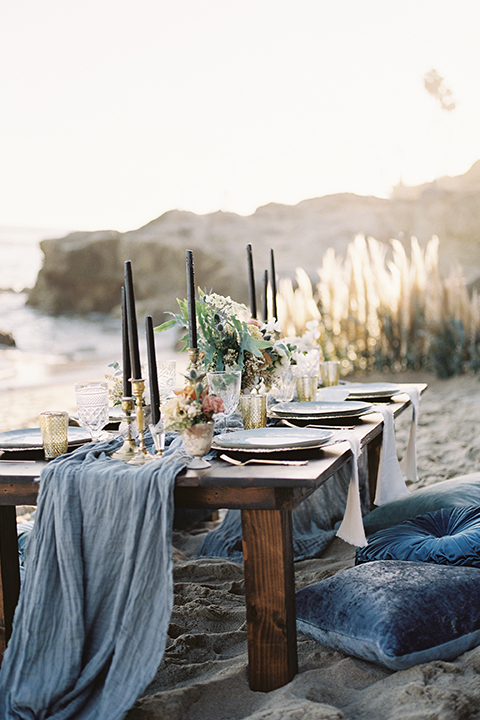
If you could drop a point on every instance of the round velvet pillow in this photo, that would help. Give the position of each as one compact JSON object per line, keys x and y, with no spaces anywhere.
{"x":450,"y":536}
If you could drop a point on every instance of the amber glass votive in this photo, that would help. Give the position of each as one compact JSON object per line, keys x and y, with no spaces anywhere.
{"x":54,"y":427}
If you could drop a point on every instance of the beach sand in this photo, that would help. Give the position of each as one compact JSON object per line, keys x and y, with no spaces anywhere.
{"x":204,"y":673}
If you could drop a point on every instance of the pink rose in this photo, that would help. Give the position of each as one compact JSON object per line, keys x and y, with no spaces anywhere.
{"x":212,"y":404}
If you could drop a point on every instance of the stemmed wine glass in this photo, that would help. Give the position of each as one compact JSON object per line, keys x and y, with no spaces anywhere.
{"x":226,"y":384}
{"x":166,"y":373}
{"x":92,"y":406}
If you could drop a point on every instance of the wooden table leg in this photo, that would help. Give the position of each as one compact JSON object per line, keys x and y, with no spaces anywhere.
{"x":9,"y":572}
{"x":373,"y":459}
{"x":270,"y":598}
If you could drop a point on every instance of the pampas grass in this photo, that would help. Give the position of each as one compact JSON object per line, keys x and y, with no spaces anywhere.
{"x":385,"y":308}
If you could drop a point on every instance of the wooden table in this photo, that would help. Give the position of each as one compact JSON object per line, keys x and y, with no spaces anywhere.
{"x":266,"y":496}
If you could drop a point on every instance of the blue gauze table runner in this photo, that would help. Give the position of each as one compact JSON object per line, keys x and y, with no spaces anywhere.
{"x":90,"y":628}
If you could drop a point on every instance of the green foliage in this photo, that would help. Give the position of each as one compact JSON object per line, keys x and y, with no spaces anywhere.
{"x":225,"y":337}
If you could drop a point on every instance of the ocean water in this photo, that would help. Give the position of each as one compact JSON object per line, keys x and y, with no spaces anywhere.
{"x":49,"y":346}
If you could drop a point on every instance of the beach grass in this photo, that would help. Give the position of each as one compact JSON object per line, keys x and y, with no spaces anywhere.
{"x":386,"y":307}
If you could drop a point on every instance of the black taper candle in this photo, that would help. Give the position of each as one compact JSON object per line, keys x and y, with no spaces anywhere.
{"x":251,"y":282}
{"x":152,"y":371}
{"x":192,"y":314}
{"x":132,"y":323}
{"x":265,"y":296}
{"x":127,"y":371}
{"x":273,"y":283}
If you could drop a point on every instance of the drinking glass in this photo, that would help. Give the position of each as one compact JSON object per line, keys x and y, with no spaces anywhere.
{"x":254,"y":411}
{"x":284,"y":386}
{"x":306,"y":387}
{"x":54,"y":428}
{"x":306,"y":374}
{"x":308,"y":361}
{"x":167,"y":375}
{"x":330,"y":373}
{"x":226,"y":384}
{"x":92,"y":406}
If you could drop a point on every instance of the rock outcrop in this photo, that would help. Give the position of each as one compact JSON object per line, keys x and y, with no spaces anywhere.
{"x":83,"y":272}
{"x":7,"y":339}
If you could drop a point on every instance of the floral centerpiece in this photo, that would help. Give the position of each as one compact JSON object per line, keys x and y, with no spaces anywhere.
{"x":228,"y":337}
{"x":192,"y":405}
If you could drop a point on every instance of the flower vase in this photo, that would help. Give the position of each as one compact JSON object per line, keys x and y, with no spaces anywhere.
{"x":197,"y":441}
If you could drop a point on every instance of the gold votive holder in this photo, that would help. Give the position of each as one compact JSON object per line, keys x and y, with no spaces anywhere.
{"x":54,"y":427}
{"x":254,"y":411}
{"x":306,"y":387}
{"x":330,"y":373}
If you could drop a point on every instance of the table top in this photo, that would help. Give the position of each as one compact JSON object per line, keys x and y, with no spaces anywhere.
{"x":19,"y":479}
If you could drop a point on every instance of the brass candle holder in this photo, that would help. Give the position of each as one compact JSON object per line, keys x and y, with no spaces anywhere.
{"x":193,"y":355}
{"x":129,"y":447}
{"x":141,"y":454}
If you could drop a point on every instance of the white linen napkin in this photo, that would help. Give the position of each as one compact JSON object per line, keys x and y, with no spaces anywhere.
{"x":409,"y":461}
{"x":351,"y":528}
{"x":390,"y":482}
{"x":335,"y":393}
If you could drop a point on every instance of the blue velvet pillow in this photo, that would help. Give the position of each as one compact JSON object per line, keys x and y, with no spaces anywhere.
{"x":394,"y":613}
{"x":459,"y":491}
{"x":450,"y":536}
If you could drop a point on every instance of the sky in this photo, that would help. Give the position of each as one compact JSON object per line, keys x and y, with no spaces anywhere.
{"x":113,"y":112}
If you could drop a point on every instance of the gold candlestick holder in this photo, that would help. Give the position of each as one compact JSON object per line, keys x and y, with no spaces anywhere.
{"x":193,"y":355}
{"x":141,"y":454}
{"x":129,"y":447}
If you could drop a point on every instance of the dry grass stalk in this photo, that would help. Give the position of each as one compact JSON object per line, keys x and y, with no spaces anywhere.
{"x":384,"y":307}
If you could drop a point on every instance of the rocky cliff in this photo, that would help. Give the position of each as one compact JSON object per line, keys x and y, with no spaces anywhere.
{"x":83,"y":272}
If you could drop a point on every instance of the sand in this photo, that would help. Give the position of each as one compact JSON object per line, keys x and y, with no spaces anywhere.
{"x":204,"y":672}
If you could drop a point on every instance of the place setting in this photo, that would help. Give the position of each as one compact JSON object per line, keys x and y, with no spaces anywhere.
{"x":29,"y":444}
{"x":59,"y":433}
{"x":375,"y":391}
{"x":277,"y":445}
{"x":319,"y":411}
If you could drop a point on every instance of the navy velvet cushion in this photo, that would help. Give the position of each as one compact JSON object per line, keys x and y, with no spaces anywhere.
{"x":394,"y":613}
{"x":460,"y":491}
{"x":450,"y":536}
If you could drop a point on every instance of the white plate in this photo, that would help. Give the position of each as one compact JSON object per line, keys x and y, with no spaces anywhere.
{"x":319,"y":409}
{"x":372,"y":390}
{"x":272,"y":439}
{"x":31,"y":438}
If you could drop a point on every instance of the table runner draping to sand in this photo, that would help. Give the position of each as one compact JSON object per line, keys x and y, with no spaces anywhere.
{"x":90,"y":628}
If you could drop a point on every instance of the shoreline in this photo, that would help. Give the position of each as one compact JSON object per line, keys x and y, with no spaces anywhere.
{"x":51,"y":386}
